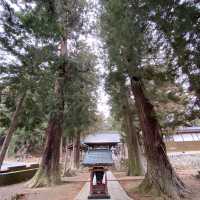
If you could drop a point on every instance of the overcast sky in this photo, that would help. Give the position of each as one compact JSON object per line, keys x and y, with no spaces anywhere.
{"x":95,"y":43}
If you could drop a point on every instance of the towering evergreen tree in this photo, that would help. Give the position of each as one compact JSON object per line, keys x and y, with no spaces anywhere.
{"x":11,"y":129}
{"x":68,"y":16}
{"x":80,"y":98}
{"x":22,"y":70}
{"x":127,"y":33}
{"x":180,"y":35}
{"x":122,"y":111}
{"x":161,"y":177}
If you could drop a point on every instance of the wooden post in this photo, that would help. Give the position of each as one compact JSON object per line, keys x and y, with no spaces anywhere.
{"x":91,"y":180}
{"x":106,"y":182}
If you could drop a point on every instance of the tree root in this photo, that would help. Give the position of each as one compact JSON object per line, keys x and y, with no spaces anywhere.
{"x":41,"y":179}
{"x":146,"y":187}
{"x":173,"y":192}
{"x":69,"y":173}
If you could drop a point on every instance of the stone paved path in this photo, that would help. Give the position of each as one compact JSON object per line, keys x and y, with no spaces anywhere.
{"x":114,"y":188}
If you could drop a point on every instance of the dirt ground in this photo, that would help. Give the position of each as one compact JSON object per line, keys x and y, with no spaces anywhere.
{"x":188,"y":177}
{"x":66,"y":191}
{"x":72,"y":185}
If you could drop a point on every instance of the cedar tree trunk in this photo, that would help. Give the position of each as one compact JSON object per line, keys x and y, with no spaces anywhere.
{"x":12,"y":128}
{"x":135,"y":167}
{"x":66,"y":162}
{"x":61,"y":149}
{"x":48,"y":173}
{"x":69,"y":161}
{"x":76,"y":153}
{"x":160,"y":179}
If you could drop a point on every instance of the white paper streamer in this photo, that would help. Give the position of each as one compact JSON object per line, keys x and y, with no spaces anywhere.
{"x":94,"y":181}
{"x":104,"y":178}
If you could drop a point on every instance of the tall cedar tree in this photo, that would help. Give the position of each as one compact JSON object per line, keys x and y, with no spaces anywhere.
{"x":80,"y":97}
{"x":21,"y":70}
{"x":67,"y":14}
{"x":122,"y":112}
{"x":126,"y":31}
{"x":180,"y":35}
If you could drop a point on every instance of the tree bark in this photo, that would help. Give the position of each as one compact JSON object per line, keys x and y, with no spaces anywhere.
{"x":69,"y":169}
{"x":61,"y":150}
{"x":76,"y":146}
{"x":135,"y":167}
{"x":12,"y":128}
{"x":160,"y":179}
{"x":73,"y":162}
{"x":48,"y":173}
{"x":66,"y":162}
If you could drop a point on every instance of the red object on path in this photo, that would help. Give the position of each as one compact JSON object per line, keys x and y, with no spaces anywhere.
{"x":99,"y":190}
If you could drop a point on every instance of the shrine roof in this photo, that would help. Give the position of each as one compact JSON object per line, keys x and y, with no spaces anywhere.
{"x":194,"y":129}
{"x":98,"y":157}
{"x":108,"y":137}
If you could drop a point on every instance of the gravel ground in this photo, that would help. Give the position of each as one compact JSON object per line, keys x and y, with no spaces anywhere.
{"x":185,"y":160}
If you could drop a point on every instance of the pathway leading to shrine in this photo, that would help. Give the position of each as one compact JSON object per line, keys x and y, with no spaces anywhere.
{"x":114,"y":188}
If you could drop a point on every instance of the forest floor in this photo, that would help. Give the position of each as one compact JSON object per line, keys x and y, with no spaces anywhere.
{"x":185,"y":165}
{"x":66,"y":191}
{"x":188,"y":176}
{"x":72,"y":185}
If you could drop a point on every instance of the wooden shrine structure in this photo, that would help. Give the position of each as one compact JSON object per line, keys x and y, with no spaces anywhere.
{"x":107,"y":139}
{"x":98,"y":161}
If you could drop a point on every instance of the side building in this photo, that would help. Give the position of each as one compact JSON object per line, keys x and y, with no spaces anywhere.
{"x":184,"y":139}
